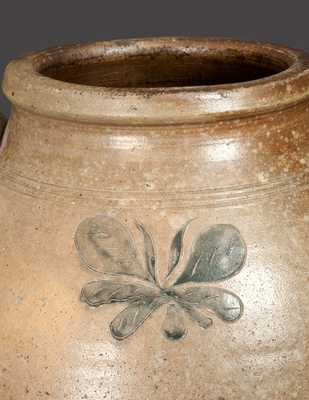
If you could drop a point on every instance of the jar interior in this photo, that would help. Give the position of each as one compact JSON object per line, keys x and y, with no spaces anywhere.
{"x":161,"y":68}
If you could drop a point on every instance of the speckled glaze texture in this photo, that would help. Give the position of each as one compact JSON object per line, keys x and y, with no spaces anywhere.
{"x":155,"y":221}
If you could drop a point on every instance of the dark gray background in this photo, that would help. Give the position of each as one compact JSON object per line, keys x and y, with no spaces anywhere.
{"x":32,"y":25}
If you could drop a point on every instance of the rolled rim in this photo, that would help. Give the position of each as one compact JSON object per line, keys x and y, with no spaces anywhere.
{"x":27,"y":86}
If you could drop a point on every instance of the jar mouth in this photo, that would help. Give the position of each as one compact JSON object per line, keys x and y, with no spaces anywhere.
{"x":158,"y":80}
{"x":167,"y":66}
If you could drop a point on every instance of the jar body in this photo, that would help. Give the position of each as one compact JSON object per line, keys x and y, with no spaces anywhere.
{"x":247,"y":173}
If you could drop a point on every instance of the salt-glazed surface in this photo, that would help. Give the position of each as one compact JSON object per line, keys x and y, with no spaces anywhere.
{"x":154,"y":222}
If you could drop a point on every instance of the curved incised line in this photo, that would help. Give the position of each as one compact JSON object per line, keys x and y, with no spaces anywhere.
{"x":213,"y":197}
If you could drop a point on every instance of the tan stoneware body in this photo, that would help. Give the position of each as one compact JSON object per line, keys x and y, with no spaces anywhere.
{"x":167,"y":178}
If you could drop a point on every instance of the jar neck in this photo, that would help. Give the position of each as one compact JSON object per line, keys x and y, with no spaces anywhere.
{"x":195,"y":162}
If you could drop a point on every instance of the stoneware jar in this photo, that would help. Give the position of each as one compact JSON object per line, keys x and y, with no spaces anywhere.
{"x":155,"y":221}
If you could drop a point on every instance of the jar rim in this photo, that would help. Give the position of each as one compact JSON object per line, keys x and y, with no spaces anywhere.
{"x":27,"y":85}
